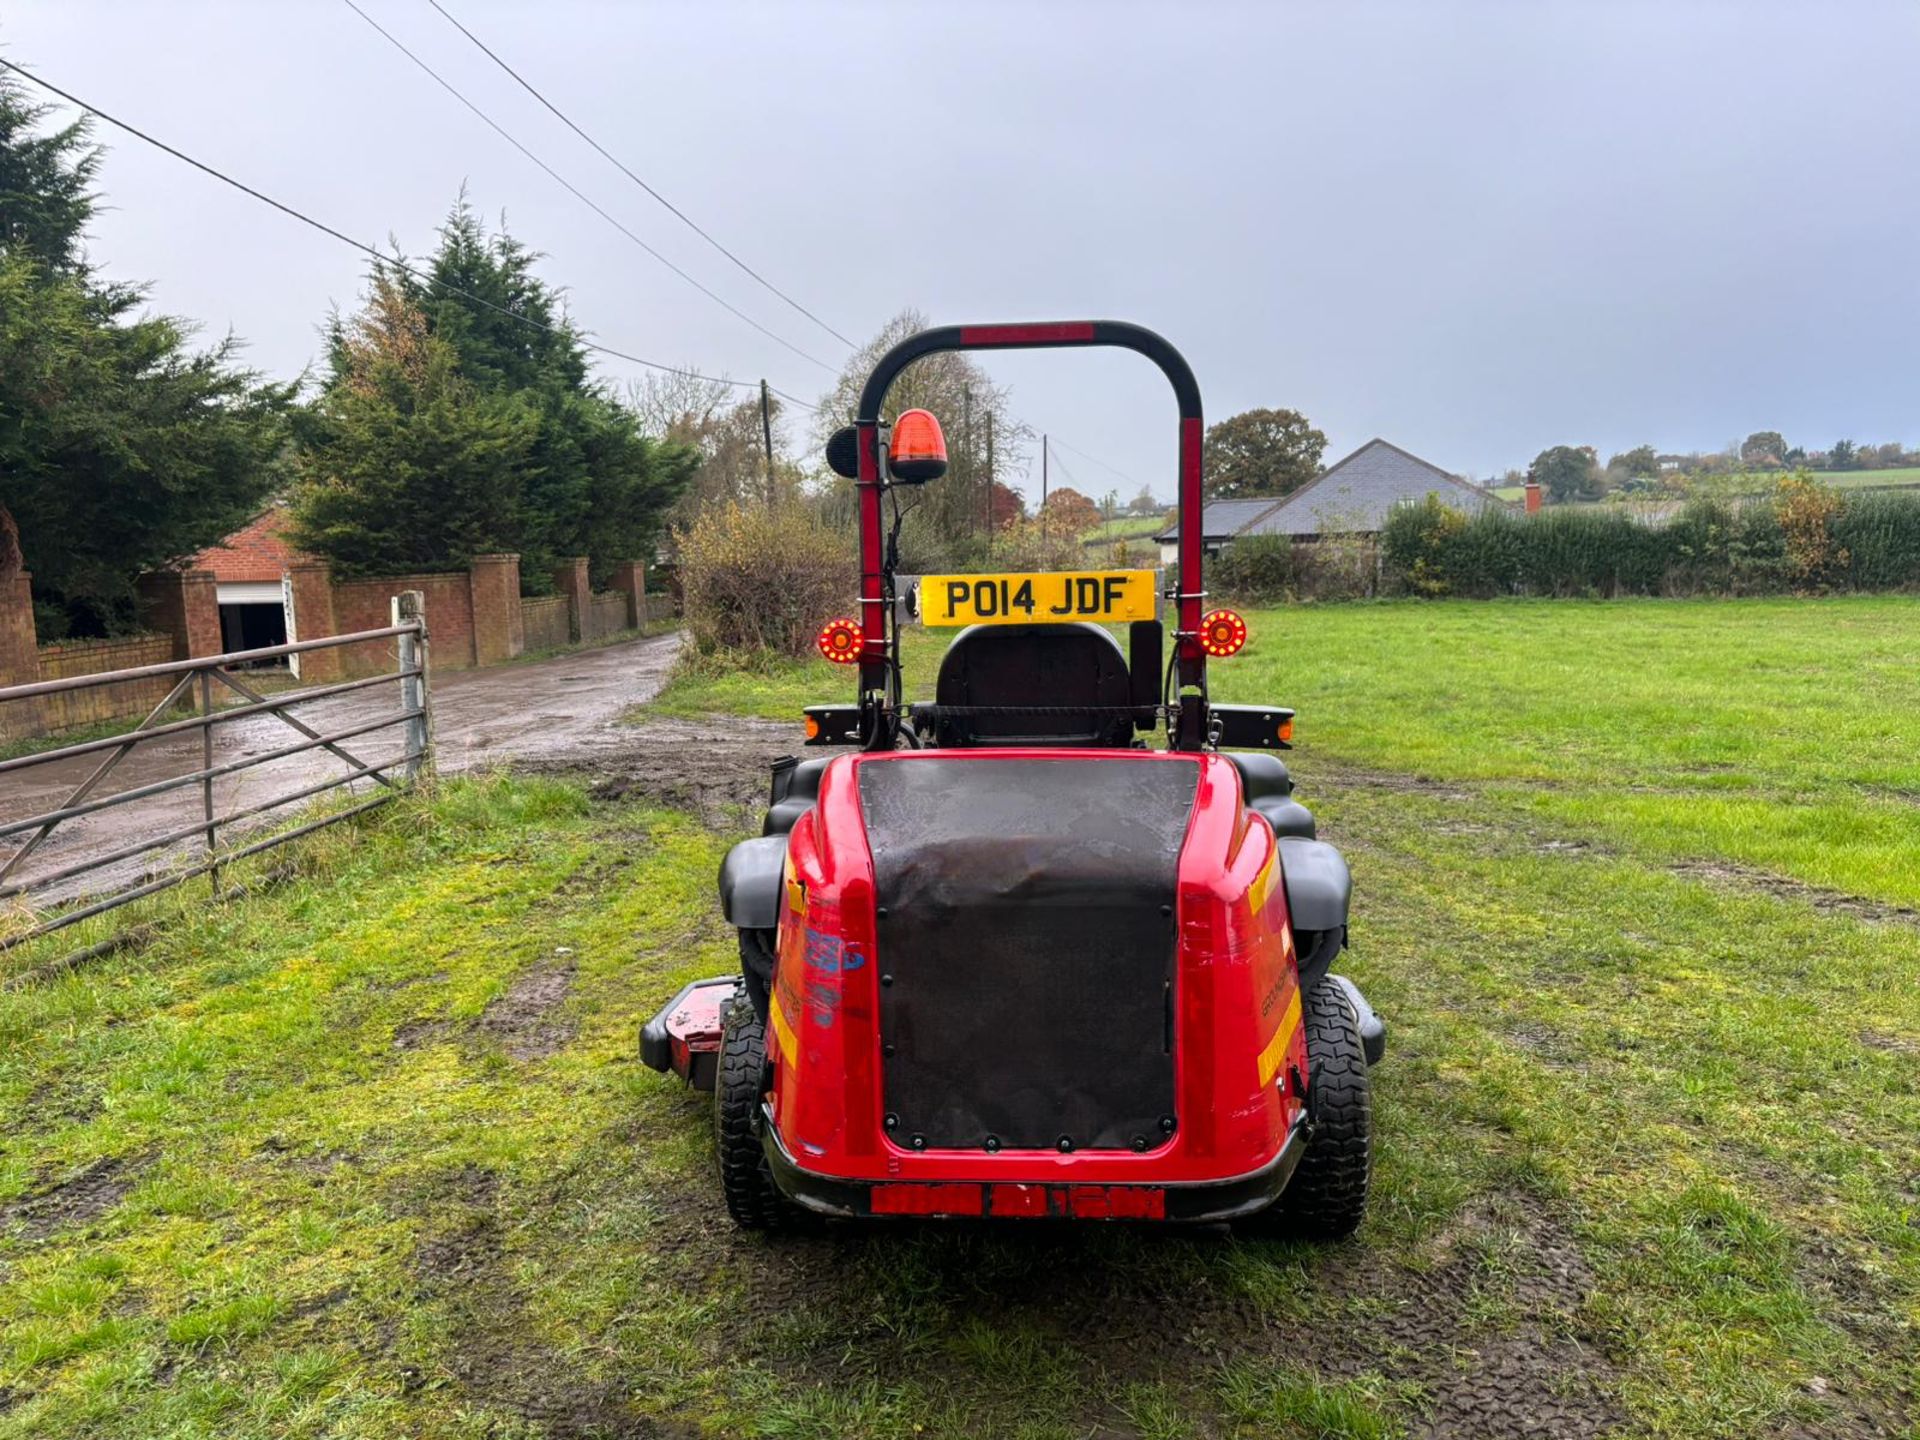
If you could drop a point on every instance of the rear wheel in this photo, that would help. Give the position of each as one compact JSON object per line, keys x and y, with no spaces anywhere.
{"x":1327,"y":1196}
{"x":746,"y":1181}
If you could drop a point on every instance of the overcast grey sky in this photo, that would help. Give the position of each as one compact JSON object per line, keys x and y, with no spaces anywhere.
{"x":1476,"y":229}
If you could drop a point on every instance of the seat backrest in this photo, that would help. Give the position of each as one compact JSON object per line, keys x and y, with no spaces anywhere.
{"x":1061,"y":684}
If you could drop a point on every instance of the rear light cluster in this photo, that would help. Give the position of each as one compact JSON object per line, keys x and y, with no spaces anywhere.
{"x":1222,"y":633}
{"x":840,"y":641}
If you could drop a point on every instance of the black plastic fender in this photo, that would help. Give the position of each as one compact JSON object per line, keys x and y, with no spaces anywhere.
{"x":1267,"y":787}
{"x":1289,"y":818}
{"x":1319,"y":888}
{"x":1373,"y":1030}
{"x":1261,"y":775}
{"x":796,"y":785}
{"x":750,"y":882}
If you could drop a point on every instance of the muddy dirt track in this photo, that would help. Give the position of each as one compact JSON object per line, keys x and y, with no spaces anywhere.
{"x":560,"y":713}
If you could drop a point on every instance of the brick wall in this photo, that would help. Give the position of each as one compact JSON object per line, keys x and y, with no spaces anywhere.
{"x":606,"y":615}
{"x":128,"y":700}
{"x":368,"y":605}
{"x":256,"y":552}
{"x":545,"y":622}
{"x":630,"y":579}
{"x":570,"y":579}
{"x":311,"y":587}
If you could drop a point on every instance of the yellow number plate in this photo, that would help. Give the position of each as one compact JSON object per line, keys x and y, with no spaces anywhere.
{"x":1038,"y":598}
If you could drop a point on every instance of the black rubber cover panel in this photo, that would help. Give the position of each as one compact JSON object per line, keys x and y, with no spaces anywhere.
{"x":1026,"y":946}
{"x":750,"y":882}
{"x":1319,"y":889}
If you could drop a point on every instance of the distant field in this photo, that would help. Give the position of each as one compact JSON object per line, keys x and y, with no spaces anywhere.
{"x":1869,"y":479}
{"x":1127,"y":527}
{"x":1897,"y":478}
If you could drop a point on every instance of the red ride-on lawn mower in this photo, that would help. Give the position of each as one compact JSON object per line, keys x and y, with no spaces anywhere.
{"x":1004,"y":959}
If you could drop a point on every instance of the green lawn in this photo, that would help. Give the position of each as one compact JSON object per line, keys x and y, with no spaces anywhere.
{"x":370,"y":1154}
{"x":1780,"y":733}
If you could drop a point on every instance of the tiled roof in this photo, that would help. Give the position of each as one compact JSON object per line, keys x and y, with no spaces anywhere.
{"x":256,"y":552}
{"x":1223,"y":519}
{"x":1355,"y":495}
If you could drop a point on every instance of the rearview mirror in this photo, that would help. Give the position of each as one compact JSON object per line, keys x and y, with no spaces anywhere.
{"x":843,"y":452}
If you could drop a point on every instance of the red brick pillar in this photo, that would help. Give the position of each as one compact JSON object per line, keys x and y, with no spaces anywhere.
{"x":312,"y":619}
{"x":1533,"y":497}
{"x":200,"y":612}
{"x":499,"y":631}
{"x":570,"y":579}
{"x":19,"y":657}
{"x":630,"y":579}
{"x":184,"y":604}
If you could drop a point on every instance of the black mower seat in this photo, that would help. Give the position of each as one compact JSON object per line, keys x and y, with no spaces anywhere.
{"x":1058,"y":684}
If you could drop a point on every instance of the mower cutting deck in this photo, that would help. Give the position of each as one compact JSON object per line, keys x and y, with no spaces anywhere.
{"x":1007,"y":959}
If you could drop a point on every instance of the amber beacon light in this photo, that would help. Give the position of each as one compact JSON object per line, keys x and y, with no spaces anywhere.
{"x":918,"y":451}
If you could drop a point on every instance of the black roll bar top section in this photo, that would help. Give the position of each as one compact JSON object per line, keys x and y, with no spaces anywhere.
{"x":1047,"y":335}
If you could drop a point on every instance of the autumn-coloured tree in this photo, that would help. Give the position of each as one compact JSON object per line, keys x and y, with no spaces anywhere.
{"x":1005,"y":507}
{"x":1068,"y":512}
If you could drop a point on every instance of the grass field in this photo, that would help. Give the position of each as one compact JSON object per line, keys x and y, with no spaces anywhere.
{"x":1127,"y":527}
{"x":370,"y":1154}
{"x":1893,"y":478}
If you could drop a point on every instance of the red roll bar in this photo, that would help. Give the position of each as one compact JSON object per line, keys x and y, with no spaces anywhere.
{"x":874,"y":619}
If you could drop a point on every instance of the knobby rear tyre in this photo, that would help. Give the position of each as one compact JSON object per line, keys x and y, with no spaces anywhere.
{"x":746,"y":1181}
{"x":1327,"y":1197}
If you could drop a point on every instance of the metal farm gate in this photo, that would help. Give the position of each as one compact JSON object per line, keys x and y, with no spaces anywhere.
{"x":79,"y":877}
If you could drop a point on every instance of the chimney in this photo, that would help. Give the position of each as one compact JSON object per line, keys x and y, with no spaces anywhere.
{"x":1533,"y":497}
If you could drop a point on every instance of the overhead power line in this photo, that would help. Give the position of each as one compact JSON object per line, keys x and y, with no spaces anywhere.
{"x":1095,"y":459}
{"x":366,"y":249}
{"x":618,"y":164}
{"x":578,"y":193}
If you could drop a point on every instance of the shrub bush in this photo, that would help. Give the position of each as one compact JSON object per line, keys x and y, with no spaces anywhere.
{"x":763,"y":578}
{"x":1880,"y":535}
{"x":1806,"y":537}
{"x":1259,"y":570}
{"x":1417,"y":541}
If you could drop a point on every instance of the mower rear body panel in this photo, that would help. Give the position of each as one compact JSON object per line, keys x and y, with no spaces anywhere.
{"x":994,"y":1008}
{"x":1026,"y":945}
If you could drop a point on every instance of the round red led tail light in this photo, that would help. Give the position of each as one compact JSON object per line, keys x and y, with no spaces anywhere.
{"x":1222,"y":633}
{"x":840,"y":641}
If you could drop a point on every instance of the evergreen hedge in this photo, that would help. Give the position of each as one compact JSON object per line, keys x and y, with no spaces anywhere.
{"x":1805,"y":538}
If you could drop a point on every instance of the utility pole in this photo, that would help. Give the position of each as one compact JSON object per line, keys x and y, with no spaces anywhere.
{"x":989,"y":482}
{"x":966,"y":434}
{"x":766,"y":434}
{"x":1043,"y":490}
